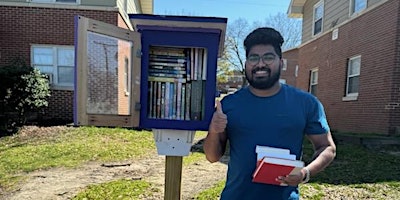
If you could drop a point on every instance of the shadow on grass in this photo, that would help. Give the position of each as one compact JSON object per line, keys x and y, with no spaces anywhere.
{"x":354,"y":163}
{"x":358,"y":163}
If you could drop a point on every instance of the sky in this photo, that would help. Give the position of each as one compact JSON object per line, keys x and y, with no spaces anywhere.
{"x":252,"y":10}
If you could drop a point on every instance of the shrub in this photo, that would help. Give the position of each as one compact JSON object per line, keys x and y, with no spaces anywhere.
{"x":23,"y":89}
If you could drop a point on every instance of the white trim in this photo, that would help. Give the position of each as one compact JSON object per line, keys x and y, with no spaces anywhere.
{"x":341,"y":24}
{"x":351,"y":8}
{"x":54,"y":1}
{"x":58,"y":5}
{"x":313,"y":71}
{"x":348,"y":76}
{"x":54,"y":73}
{"x":320,"y":3}
{"x":350,"y":98}
{"x":284,"y":66}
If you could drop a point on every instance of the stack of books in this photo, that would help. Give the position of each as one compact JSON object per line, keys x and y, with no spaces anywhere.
{"x":273,"y":162}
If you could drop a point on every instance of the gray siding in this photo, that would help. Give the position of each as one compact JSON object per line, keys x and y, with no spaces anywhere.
{"x":106,"y":3}
{"x":335,"y":13}
{"x":12,"y":1}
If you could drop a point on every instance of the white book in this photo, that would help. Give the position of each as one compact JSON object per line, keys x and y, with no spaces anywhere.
{"x":265,"y":151}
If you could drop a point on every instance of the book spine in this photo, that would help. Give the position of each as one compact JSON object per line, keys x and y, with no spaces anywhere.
{"x":178,"y":101}
{"x":204,"y":73}
{"x":188,"y":100}
{"x":196,"y":100}
{"x":183,"y":99}
{"x":150,"y":102}
{"x":167,"y":100}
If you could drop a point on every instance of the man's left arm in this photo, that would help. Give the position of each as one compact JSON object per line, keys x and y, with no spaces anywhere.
{"x":324,"y":152}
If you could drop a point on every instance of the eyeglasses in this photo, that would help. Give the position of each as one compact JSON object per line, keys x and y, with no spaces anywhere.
{"x":267,"y":58}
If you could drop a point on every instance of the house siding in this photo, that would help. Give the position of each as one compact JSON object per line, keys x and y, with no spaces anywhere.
{"x":375,"y":36}
{"x":335,"y":13}
{"x":52,"y":26}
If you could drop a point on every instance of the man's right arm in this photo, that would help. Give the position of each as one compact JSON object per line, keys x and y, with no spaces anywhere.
{"x":215,"y":142}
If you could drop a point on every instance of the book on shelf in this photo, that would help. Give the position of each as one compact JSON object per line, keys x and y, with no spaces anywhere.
{"x":177,"y":78}
{"x":273,"y":162}
{"x":167,"y":64}
{"x":166,"y":71}
{"x":167,"y":58}
{"x":196,"y":99}
{"x":166,"y":79}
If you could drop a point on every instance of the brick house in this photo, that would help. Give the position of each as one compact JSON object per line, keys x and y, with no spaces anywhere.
{"x":42,"y":32}
{"x":350,"y":59}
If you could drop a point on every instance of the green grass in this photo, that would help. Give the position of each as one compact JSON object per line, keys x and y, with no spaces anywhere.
{"x":119,"y":189}
{"x":356,"y":173}
{"x":21,"y":154}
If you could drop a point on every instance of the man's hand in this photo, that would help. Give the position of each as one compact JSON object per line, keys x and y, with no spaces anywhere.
{"x":292,"y":180}
{"x":219,"y":119}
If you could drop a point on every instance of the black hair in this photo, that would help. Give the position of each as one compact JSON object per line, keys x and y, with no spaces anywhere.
{"x":266,"y":36}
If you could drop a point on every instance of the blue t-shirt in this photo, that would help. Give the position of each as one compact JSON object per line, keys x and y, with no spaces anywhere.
{"x":280,"y":121}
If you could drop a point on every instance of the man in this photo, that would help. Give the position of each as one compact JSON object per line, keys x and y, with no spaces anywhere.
{"x":270,"y":114}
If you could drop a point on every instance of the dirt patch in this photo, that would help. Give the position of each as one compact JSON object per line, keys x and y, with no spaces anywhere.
{"x":63,"y":184}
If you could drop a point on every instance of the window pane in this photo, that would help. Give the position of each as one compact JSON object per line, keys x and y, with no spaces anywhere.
{"x":42,"y":1}
{"x":317,"y":26}
{"x":43,"y":55}
{"x":353,"y":85}
{"x":318,"y":12}
{"x":45,"y":69}
{"x":66,"y":1}
{"x":314,"y":77}
{"x":359,"y":5}
{"x":354,"y":68}
{"x":314,"y":90}
{"x":65,"y":75}
{"x":65,"y":57}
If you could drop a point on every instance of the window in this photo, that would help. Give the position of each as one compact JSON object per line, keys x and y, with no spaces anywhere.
{"x":318,"y":17}
{"x":357,"y":6}
{"x":55,"y":1}
{"x":126,"y":76}
{"x":55,"y":61}
{"x":353,"y":73}
{"x":284,"y":67}
{"x":313,"y":81}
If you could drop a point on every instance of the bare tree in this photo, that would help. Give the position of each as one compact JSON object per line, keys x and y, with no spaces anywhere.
{"x":290,"y":29}
{"x":235,"y":34}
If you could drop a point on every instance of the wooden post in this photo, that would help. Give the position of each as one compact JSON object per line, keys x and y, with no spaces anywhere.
{"x":173,"y":177}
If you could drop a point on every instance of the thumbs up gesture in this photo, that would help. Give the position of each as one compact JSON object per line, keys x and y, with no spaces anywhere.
{"x":219,"y":119}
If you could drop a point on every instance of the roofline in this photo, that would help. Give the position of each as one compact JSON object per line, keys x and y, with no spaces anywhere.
{"x":295,"y":9}
{"x":146,"y":6}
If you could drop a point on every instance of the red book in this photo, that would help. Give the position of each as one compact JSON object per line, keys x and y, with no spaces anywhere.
{"x":270,"y":168}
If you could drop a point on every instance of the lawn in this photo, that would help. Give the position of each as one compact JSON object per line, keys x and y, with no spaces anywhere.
{"x":356,"y":173}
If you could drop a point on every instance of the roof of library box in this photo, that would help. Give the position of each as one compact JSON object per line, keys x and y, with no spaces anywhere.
{"x":173,"y":22}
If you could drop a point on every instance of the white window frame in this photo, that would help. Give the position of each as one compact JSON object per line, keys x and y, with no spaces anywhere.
{"x":313,"y":81}
{"x":54,"y":1}
{"x":354,"y":95}
{"x":53,"y":75}
{"x":352,"y":7}
{"x":317,"y":5}
{"x":284,"y":66}
{"x":127,"y":76}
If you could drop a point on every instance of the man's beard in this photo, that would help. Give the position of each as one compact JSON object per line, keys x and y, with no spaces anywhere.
{"x":263,"y":83}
